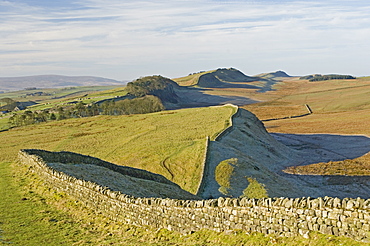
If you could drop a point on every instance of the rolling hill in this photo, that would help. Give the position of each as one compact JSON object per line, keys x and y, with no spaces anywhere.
{"x":274,"y":75}
{"x":170,"y":143}
{"x":52,"y":81}
{"x":173,"y":143}
{"x":220,"y":78}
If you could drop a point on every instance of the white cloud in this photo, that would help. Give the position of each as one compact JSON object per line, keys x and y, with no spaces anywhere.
{"x":127,"y":39}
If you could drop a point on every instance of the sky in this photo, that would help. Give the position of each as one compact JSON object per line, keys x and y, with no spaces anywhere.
{"x":124,"y":40}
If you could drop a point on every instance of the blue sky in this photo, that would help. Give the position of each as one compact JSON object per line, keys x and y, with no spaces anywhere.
{"x":127,"y":39}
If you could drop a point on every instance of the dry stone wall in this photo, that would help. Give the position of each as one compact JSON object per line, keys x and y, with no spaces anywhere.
{"x":205,"y":167}
{"x":282,"y":216}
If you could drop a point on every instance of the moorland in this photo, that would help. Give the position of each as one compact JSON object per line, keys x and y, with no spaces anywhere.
{"x":327,"y":146}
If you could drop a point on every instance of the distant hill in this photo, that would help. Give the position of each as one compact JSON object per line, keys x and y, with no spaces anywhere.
{"x":156,"y":85}
{"x":220,"y":78}
{"x":174,"y":96}
{"x":53,"y":81}
{"x":273,"y":75}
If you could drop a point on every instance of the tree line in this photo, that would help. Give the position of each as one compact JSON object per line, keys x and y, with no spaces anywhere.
{"x":319,"y":77}
{"x":142,"y":105}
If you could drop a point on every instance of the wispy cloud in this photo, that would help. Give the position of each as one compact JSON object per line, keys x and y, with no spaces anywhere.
{"x":127,"y":39}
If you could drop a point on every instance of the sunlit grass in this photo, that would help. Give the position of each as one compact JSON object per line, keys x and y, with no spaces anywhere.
{"x":171,"y":143}
{"x":191,"y":79}
{"x":339,"y":107}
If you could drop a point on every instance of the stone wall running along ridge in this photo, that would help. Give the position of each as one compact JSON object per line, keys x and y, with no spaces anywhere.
{"x":282,"y":216}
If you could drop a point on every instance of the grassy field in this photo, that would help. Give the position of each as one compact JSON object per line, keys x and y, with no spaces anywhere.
{"x":32,"y":214}
{"x":339,"y":107}
{"x":62,"y":92}
{"x":58,"y":97}
{"x":171,"y":143}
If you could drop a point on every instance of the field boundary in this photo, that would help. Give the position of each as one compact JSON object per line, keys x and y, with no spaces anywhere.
{"x":205,"y":165}
{"x":282,"y":216}
{"x":293,"y":116}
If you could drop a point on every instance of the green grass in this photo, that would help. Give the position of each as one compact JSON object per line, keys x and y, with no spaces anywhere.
{"x":25,"y":218}
{"x":94,"y":93}
{"x":4,"y":122}
{"x":55,"y":92}
{"x":255,"y":189}
{"x":171,"y":143}
{"x":223,"y":174}
{"x":32,"y":214}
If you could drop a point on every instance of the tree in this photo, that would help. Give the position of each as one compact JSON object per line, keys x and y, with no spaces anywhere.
{"x":61,"y":114}
{"x":94,"y":109}
{"x":81,"y":109}
{"x":53,"y":116}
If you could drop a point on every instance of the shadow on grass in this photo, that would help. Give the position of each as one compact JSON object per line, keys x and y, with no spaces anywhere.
{"x":316,"y":148}
{"x":325,"y":147}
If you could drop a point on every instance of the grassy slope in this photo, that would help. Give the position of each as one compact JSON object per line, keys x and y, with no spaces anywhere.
{"x":59,"y":96}
{"x":339,"y":106}
{"x":171,"y":143}
{"x":191,"y":79}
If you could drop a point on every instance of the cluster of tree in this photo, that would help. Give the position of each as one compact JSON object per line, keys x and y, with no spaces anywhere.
{"x":147,"y":85}
{"x":7,"y":104}
{"x":29,"y":118}
{"x":143,"y":105}
{"x":196,"y":73}
{"x":319,"y":77}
